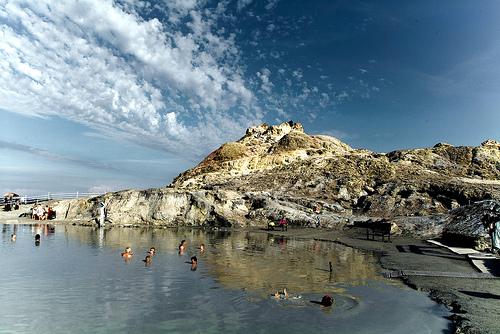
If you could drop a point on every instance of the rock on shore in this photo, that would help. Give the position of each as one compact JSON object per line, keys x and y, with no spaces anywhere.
{"x":280,"y":171}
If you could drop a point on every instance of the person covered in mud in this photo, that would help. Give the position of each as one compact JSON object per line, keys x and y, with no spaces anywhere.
{"x":128,"y":253}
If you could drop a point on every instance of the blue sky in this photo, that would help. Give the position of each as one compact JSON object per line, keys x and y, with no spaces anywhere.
{"x":99,"y":95}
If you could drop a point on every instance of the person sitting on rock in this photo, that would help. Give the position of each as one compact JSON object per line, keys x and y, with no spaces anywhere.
{"x":284,"y":224}
{"x":40,"y":212}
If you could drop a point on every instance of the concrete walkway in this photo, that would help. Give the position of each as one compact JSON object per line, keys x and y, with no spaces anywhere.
{"x":483,"y":262}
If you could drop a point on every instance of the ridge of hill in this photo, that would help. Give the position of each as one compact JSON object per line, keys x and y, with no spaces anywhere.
{"x":280,"y":171}
{"x":285,"y":161}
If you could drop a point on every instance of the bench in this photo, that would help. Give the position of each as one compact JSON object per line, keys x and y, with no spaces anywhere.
{"x":382,"y":229}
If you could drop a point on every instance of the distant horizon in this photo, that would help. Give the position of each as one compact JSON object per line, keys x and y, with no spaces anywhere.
{"x":113,"y":95}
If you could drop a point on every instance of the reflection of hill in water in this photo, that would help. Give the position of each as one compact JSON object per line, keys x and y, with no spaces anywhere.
{"x":260,"y":262}
{"x":246,"y":260}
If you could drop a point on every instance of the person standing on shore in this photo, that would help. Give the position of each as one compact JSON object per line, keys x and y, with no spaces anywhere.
{"x":492,"y":224}
{"x":495,"y":234}
{"x":102,"y":215}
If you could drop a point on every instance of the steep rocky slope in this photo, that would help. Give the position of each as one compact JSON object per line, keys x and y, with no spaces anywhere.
{"x":283,"y":160}
{"x":280,"y":171}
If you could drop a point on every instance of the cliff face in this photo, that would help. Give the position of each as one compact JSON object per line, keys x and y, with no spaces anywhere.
{"x":280,"y":171}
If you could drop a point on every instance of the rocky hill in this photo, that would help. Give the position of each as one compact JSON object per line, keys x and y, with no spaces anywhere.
{"x":280,"y":171}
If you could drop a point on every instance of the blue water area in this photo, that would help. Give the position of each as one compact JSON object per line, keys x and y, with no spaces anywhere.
{"x":75,"y":280}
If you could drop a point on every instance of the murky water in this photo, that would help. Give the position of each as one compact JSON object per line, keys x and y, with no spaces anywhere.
{"x":75,"y":280}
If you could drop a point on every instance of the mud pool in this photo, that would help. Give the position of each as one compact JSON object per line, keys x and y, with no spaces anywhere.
{"x":75,"y":280}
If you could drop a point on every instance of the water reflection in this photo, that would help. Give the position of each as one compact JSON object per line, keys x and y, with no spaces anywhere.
{"x":265,"y":263}
{"x":229,"y":288}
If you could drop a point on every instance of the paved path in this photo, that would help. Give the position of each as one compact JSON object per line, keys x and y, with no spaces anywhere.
{"x":485,"y":263}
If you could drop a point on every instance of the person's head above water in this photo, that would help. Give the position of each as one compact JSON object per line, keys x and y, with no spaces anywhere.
{"x":327,"y":300}
{"x":128,"y":252}
{"x":152,"y":250}
{"x":194,"y":260}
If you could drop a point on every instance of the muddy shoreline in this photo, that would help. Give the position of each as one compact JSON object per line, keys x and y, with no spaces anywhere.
{"x":475,"y":303}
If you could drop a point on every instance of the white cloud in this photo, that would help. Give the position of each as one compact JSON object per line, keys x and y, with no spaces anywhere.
{"x":338,"y":134}
{"x":271,"y":4}
{"x":53,"y":156}
{"x":342,"y":96}
{"x":264,"y":77}
{"x":102,"y":65}
{"x":243,"y":3}
{"x":298,"y":74}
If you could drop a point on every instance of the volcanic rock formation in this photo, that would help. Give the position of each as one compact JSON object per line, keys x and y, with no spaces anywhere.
{"x":280,"y":171}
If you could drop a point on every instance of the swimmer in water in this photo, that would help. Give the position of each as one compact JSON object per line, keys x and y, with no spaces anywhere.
{"x":147,"y":259}
{"x":182,"y":245}
{"x":285,"y":294}
{"x":128,"y":252}
{"x":194,"y":260}
{"x":37,"y":237}
{"x":152,"y":251}
{"x":202,"y":248}
{"x":13,"y":237}
{"x":327,"y":301}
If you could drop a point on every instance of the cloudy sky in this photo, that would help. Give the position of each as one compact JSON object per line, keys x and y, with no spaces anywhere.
{"x":101,"y":95}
